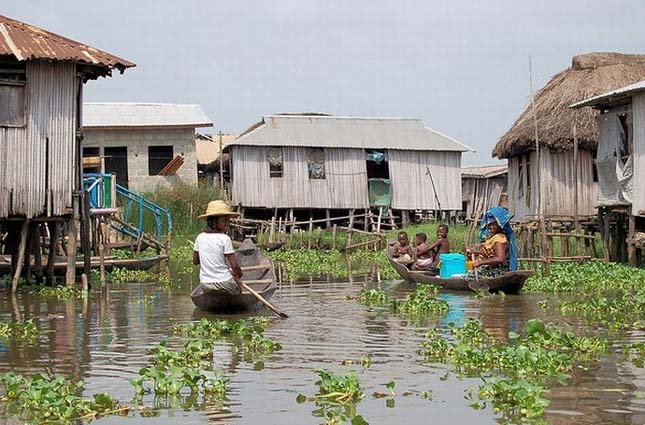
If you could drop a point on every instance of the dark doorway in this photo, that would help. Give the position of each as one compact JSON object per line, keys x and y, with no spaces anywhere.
{"x":91,"y":160}
{"x":116,"y":162}
{"x":378,"y":177}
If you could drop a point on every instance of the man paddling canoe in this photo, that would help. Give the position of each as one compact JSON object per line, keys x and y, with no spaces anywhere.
{"x":213,"y":251}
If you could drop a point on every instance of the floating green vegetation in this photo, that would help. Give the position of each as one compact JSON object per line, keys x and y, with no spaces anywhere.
{"x":59,"y":292}
{"x":516,"y":373}
{"x":303,"y":262}
{"x":420,"y":302}
{"x":173,"y":371}
{"x":247,"y":335}
{"x":50,"y":398}
{"x":26,"y":330}
{"x":337,"y":397}
{"x":624,"y":310}
{"x":588,"y":278}
{"x":636,"y":352}
{"x":123,"y":275}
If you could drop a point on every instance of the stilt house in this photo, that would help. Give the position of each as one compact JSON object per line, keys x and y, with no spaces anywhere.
{"x":483,"y":187}
{"x":41,"y":84}
{"x":589,"y":75}
{"x":620,"y":160}
{"x":313,"y":161}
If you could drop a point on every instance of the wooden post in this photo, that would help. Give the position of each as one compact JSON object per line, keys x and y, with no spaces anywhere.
{"x":85,"y":234}
{"x":605,"y":236}
{"x":350,"y":228}
{"x":70,"y":277}
{"x":21,"y":255}
{"x":328,"y":222}
{"x":333,"y":236}
{"x":576,"y":167}
{"x":378,"y":223}
{"x":366,"y":223}
{"x":272,"y":230}
{"x":36,"y":250}
{"x":311,"y":229}
{"x":54,"y":231}
{"x":84,"y":282}
{"x":631,"y":248}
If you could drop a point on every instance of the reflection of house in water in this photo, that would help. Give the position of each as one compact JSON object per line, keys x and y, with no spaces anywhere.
{"x":144,"y":144}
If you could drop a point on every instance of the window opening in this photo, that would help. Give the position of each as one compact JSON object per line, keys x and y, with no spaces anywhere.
{"x":276,"y":164}
{"x":158,"y":158}
{"x":316,"y":163}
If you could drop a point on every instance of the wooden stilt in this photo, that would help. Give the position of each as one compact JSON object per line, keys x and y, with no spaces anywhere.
{"x":272,"y":229}
{"x":21,"y":255}
{"x":631,"y":248}
{"x":311,"y":229}
{"x":72,"y":235}
{"x":36,"y":249}
{"x":333,"y":236}
{"x":350,"y":227}
{"x":328,"y":215}
{"x":605,"y":236}
{"x":54,"y":231}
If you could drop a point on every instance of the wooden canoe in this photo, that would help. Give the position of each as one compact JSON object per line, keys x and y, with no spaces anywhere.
{"x":401,"y":269}
{"x":509,"y":283}
{"x":258,"y":273}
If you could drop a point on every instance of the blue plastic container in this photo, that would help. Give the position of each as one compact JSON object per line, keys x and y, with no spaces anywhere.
{"x":452,"y":264}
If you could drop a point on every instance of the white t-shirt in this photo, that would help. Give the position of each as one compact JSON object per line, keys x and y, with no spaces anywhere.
{"x":213,"y":264}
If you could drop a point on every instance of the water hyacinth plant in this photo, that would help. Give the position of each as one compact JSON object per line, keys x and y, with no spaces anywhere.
{"x":26,"y":330}
{"x":420,"y":302}
{"x":516,"y":373}
{"x":49,"y":398}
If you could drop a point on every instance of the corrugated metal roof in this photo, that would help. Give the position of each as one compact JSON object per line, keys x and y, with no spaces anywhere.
{"x":612,"y":96}
{"x":27,"y":42}
{"x":348,"y":132}
{"x":484,"y":171}
{"x":119,"y":115}
{"x":207,"y":147}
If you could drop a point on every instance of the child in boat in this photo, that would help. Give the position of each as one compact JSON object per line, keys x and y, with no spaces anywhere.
{"x":213,"y":252}
{"x":428,"y":255}
{"x":402,"y":251}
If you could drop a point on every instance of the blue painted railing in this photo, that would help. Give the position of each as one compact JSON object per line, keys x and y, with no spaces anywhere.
{"x":104,"y":192}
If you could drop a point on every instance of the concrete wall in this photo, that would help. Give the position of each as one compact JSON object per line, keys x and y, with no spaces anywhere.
{"x":137,"y":142}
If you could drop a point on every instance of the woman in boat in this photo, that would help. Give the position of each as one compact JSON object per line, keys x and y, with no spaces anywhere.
{"x":213,"y":251}
{"x":497,"y":254}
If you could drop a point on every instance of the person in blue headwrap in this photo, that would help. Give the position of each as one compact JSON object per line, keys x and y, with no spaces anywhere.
{"x":498,"y":252}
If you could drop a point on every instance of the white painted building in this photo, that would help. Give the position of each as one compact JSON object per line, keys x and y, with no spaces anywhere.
{"x":138,"y":141}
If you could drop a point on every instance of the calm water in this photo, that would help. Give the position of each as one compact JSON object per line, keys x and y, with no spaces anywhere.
{"x":104,"y":341}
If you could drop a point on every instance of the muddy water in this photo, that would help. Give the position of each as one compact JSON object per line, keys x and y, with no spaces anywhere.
{"x":104,"y":341}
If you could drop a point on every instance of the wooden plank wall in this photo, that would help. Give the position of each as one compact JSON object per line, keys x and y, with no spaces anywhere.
{"x":411,"y":186}
{"x":638,"y":110}
{"x":344,"y":186}
{"x":37,"y":163}
{"x":557,"y":185}
{"x":482,"y":194}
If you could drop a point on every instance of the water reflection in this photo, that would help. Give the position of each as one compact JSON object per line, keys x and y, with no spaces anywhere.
{"x":104,"y":340}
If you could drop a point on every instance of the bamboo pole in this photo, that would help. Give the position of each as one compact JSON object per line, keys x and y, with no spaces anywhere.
{"x":576,"y":166}
{"x":333,"y":236}
{"x":538,"y":167}
{"x":54,"y":231}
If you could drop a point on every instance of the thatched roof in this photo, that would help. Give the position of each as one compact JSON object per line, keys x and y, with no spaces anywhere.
{"x":590,"y":74}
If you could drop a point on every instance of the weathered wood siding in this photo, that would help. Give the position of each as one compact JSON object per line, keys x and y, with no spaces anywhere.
{"x":344,"y":185}
{"x":483,"y":193}
{"x":638,"y":111}
{"x":411,"y":186}
{"x":37,"y":162}
{"x":557,"y":185}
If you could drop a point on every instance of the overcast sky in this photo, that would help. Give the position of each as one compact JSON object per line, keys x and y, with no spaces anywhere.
{"x":461,"y":66}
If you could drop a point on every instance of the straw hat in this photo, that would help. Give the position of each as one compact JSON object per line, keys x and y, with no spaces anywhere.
{"x":218,"y":208}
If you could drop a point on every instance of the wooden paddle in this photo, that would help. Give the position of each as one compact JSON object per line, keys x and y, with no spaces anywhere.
{"x":478,"y":285}
{"x":261,"y":298}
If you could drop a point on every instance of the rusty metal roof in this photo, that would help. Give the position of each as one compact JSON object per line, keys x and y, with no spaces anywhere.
{"x":484,"y":171}
{"x":27,"y":42}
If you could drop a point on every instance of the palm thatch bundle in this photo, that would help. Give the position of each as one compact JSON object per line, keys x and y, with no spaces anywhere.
{"x":590,"y":74}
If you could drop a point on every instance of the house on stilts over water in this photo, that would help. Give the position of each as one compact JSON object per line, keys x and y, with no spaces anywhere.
{"x":305,"y":164}
{"x":559,"y":127}
{"x":620,"y":160}
{"x":41,"y":85}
